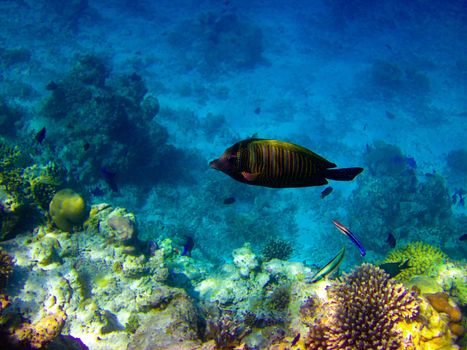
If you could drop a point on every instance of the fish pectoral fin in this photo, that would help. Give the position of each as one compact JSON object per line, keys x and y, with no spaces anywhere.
{"x":249,"y":176}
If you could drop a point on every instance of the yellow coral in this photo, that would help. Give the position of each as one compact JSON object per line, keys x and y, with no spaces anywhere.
{"x":424,"y":259}
{"x":67,"y":209}
{"x":41,"y":333}
{"x":429,"y":331}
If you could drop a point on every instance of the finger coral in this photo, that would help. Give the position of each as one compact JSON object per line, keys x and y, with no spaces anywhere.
{"x":363,"y":312}
{"x":424,"y":259}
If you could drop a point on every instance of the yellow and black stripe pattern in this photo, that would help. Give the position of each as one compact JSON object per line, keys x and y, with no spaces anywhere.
{"x":274,"y":163}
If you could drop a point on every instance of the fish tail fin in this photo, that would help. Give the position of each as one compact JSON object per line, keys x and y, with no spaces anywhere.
{"x":344,"y":174}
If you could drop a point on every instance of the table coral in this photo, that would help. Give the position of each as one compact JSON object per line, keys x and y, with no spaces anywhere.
{"x":364,"y":310}
{"x":424,"y":259}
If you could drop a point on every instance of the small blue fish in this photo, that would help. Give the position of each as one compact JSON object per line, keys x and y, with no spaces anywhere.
{"x":352,"y":237}
{"x":295,"y":340}
{"x":326,"y":192}
{"x":229,"y":200}
{"x":40,"y":136}
{"x":188,"y":246}
{"x":391,"y":240}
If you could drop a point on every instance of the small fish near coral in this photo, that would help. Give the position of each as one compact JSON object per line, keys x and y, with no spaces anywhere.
{"x":326,"y":192}
{"x":278,"y":164}
{"x":352,"y":237}
{"x":330,"y":267}
{"x":40,"y":136}
{"x":229,"y":200}
{"x":394,"y":268}
{"x":391,"y":240}
{"x":188,"y":246}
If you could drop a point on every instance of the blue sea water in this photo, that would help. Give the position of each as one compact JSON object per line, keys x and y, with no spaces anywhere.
{"x":379,"y":85}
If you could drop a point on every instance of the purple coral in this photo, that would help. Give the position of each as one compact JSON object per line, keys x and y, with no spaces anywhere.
{"x":363,"y":311}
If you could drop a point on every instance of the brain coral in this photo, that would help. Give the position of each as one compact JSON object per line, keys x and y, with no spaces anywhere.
{"x":424,"y":259}
{"x":67,"y":209}
{"x":363,"y":312}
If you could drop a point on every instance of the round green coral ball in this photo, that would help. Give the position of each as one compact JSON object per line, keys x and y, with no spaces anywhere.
{"x":67,"y":209}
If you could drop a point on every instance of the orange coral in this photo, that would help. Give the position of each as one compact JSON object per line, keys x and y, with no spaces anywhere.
{"x":440,"y":302}
{"x":41,"y":333}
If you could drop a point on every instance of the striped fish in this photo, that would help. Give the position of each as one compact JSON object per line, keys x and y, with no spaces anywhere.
{"x":273,"y":163}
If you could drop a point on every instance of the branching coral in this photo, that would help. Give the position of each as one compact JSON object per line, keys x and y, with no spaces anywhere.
{"x":364,"y":310}
{"x":226,"y":330}
{"x":424,"y":259}
{"x":278,"y":249}
{"x":6,"y":267}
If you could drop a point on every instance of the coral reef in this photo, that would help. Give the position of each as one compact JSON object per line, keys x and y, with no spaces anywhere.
{"x":394,"y":199}
{"x":67,"y":209}
{"x":403,"y":83}
{"x":424,"y":259}
{"x":39,"y":334}
{"x":364,"y":312}
{"x":103,"y":108}
{"x":26,"y":189}
{"x":452,"y":278}
{"x":277,"y":249}
{"x":440,"y":302}
{"x":6,"y":267}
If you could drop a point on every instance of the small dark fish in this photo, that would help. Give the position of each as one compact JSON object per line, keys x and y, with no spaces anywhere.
{"x":352,"y":237}
{"x":257,"y":110}
{"x":51,"y":86}
{"x":394,"y":268}
{"x":86,"y":146}
{"x":229,"y":200}
{"x":391,"y":240}
{"x":389,"y":47}
{"x":278,"y":164}
{"x":40,"y":136}
{"x":109,"y":178}
{"x":295,"y":340}
{"x":326,"y":192}
{"x":188,"y":246}
{"x":463,"y":237}
{"x":390,"y":115}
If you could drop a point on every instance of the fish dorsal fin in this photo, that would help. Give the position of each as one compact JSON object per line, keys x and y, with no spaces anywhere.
{"x":292,"y":147}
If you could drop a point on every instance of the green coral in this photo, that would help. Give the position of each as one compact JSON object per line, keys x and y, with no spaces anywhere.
{"x":424,"y":259}
{"x":67,"y":209}
{"x":25,"y":189}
